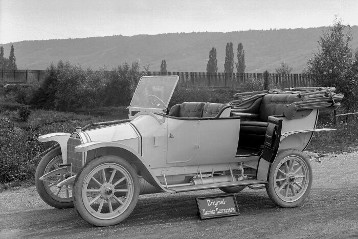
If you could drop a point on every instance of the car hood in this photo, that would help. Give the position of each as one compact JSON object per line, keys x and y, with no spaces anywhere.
{"x":112,"y":133}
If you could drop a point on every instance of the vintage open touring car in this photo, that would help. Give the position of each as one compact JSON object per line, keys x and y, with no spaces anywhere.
{"x":102,"y":168}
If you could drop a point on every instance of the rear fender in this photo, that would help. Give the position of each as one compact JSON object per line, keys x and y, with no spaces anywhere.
{"x":97,"y":149}
{"x":298,"y":139}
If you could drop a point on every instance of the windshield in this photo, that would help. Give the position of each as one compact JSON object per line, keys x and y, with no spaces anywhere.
{"x":154,"y":91}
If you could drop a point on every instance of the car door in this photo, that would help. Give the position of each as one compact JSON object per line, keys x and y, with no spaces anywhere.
{"x":183,"y":140}
{"x":199,"y":142}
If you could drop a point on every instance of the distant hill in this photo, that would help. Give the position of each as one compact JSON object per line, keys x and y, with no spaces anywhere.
{"x":265,"y":50}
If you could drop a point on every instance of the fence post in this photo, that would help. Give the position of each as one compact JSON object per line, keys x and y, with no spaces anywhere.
{"x":266,"y":80}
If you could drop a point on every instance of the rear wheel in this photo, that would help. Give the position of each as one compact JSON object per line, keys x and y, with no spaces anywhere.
{"x":290,"y":179}
{"x":106,"y":191}
{"x":47,"y":189}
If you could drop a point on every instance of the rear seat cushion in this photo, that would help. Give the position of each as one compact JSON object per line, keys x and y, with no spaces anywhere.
{"x":212,"y":109}
{"x":274,"y":104}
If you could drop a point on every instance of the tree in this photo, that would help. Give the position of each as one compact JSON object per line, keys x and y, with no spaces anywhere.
{"x":355,"y":64}
{"x":4,"y":62}
{"x":284,"y":69}
{"x":12,"y":59}
{"x":163,"y":67}
{"x":212,"y":66}
{"x":229,"y":59}
{"x":2,"y":57}
{"x":240,"y":66}
{"x":1,"y":53}
{"x":332,"y":65}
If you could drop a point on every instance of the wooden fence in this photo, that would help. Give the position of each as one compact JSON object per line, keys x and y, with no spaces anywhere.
{"x":186,"y":79}
{"x":235,"y":80}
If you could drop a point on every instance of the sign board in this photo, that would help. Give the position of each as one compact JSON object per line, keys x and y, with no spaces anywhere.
{"x":217,"y":206}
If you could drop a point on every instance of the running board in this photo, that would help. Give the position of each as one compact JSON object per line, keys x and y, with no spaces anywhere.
{"x":215,"y":185}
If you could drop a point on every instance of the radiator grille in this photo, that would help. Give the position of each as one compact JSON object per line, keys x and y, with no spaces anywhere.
{"x":72,"y":157}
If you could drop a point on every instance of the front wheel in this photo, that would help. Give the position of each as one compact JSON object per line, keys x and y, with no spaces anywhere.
{"x":106,"y":191}
{"x":47,"y":189}
{"x":290,"y":179}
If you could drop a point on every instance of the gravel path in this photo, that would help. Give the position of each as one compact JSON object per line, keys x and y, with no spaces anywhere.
{"x":330,"y":212}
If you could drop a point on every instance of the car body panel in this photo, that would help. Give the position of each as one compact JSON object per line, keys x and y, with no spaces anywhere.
{"x":300,"y":140}
{"x":200,"y":141}
{"x":153,"y":137}
{"x":124,"y":134}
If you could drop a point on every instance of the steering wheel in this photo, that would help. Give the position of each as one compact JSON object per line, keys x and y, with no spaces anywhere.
{"x":155,"y":101}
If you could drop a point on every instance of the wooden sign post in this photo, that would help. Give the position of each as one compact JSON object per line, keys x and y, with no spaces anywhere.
{"x":217,"y":206}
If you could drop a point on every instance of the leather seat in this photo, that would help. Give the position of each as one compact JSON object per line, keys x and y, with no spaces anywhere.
{"x":187,"y":109}
{"x":212,"y":110}
{"x":275,"y":104}
{"x":252,"y":133}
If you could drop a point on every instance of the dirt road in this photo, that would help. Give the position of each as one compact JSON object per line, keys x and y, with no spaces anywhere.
{"x":330,"y":212}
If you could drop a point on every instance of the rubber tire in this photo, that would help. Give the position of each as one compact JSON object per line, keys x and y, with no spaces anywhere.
{"x":77,"y":191}
{"x":234,"y":189}
{"x":271,"y":181}
{"x":45,"y":196}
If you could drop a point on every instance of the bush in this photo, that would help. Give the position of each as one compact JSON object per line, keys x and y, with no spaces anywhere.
{"x":19,"y":147}
{"x":44,"y":97}
{"x":24,"y":113}
{"x":68,"y":87}
{"x":121,"y":84}
{"x":19,"y":93}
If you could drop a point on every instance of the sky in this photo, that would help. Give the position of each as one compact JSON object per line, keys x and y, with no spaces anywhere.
{"x":60,"y":19}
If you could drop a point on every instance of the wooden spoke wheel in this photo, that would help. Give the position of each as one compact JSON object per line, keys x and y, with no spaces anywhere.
{"x":290,"y":179}
{"x":58,"y":197}
{"x":106,"y":191}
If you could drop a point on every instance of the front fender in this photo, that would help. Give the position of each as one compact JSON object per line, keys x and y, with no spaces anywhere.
{"x":61,"y":139}
{"x":130,"y":155}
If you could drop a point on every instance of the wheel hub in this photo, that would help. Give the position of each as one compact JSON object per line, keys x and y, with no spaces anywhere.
{"x":107,"y":190}
{"x":291,"y":179}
